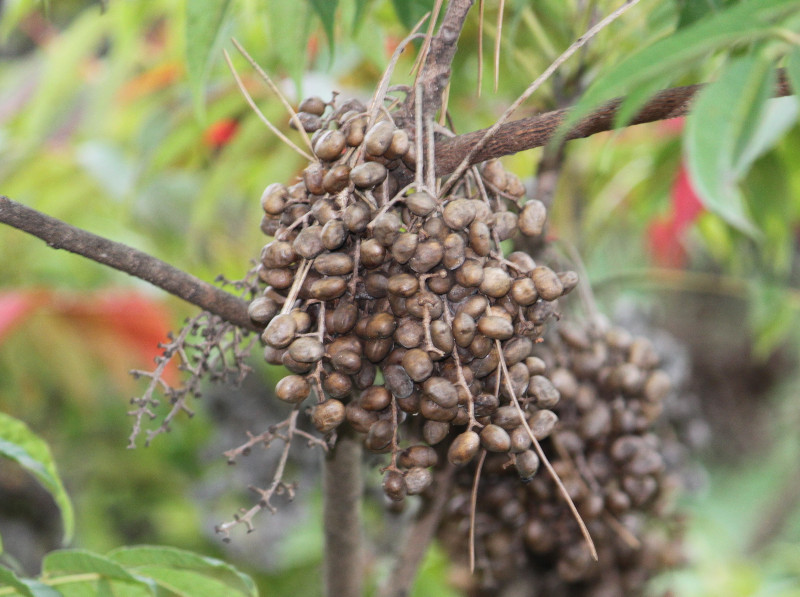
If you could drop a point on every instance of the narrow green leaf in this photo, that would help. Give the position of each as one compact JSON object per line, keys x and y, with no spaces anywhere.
{"x":672,"y":56}
{"x":169,"y":557}
{"x":25,"y":587}
{"x":205,"y":21}
{"x":716,"y":139}
{"x":20,"y":444}
{"x":690,"y":11}
{"x":189,"y":583}
{"x":326,"y":10}
{"x":289,"y":50}
{"x":359,"y":13}
{"x":79,"y":561}
{"x":793,"y":69}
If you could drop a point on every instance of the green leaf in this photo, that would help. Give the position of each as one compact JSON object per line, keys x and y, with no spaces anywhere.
{"x":145,"y":559}
{"x":188,"y":583}
{"x":205,"y":21}
{"x":326,"y":10}
{"x":717,"y":140}
{"x":411,"y":11}
{"x":359,"y":13}
{"x":290,"y":50}
{"x":672,"y":56}
{"x":79,"y":561}
{"x":20,"y":444}
{"x":24,"y":586}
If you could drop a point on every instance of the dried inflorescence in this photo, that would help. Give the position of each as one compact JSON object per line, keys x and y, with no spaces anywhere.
{"x":609,"y":453}
{"x":395,"y":308}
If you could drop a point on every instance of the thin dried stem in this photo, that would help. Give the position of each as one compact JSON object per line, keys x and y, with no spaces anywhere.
{"x":543,"y":456}
{"x":260,"y":114}
{"x":419,"y":63}
{"x":292,"y":114}
{"x":473,"y":507}
{"x":497,"y":43}
{"x":576,"y":45}
{"x":480,"y":46}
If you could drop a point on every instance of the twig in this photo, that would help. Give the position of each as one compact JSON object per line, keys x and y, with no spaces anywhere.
{"x":292,"y":114}
{"x":473,"y":506}
{"x":260,"y":114}
{"x":60,"y":235}
{"x":529,"y":133}
{"x":576,"y":45}
{"x":497,"y":44}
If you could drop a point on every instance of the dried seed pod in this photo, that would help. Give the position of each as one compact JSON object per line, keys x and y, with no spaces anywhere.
{"x":295,"y":366}
{"x":421,"y":203}
{"x":432,"y":411}
{"x":344,"y":317}
{"x":454,"y":245}
{"x":278,"y":278}
{"x":546,"y":394}
{"x":405,"y":247}
{"x":278,"y":253}
{"x":376,"y":350}
{"x":527,"y":464}
{"x":399,"y":145}
{"x":434,"y":432}
{"x":496,"y":282}
{"x":334,"y":234}
{"x":480,"y":346}
{"x":535,"y":365}
{"x":336,"y":179}
{"x":312,"y":178}
{"x":422,"y":301}
{"x":474,"y":306}
{"x":569,"y":280}
{"x":524,"y":292}
{"x":329,"y":145}
{"x":337,"y":385}
{"x":386,"y":228}
{"x":292,"y":389}
{"x":532,"y":218}
{"x":464,"y":328}
{"x":409,"y":333}
{"x":470,"y":273}
{"x":542,"y":423}
{"x":372,"y":253}
{"x":427,"y":255}
{"x":398,"y":381}
{"x":517,"y":350}
{"x":381,"y":325}
{"x":312,"y":105}
{"x":417,"y":364}
{"x":274,"y":198}
{"x":308,"y":243}
{"x":328,"y":288}
{"x":495,"y":439}
{"x":496,"y":328}
{"x":328,"y":415}
{"x":333,"y":264}
{"x":375,"y":398}
{"x":262,"y":309}
{"x":441,"y":391}
{"x":394,"y":486}
{"x":309,"y":122}
{"x":346,"y":361}
{"x":520,"y":440}
{"x":379,"y":435}
{"x":360,"y":419}
{"x":505,"y":224}
{"x":494,"y":173}
{"x":306,"y":350}
{"x":656,"y":388}
{"x":418,"y":480}
{"x":480,"y":238}
{"x":459,"y":213}
{"x":464,"y":448}
{"x":376,"y":285}
{"x":418,"y":456}
{"x":281,"y":331}
{"x":547,"y":283}
{"x":368,"y":175}
{"x":356,"y":217}
{"x":481,"y":367}
{"x":379,"y":138}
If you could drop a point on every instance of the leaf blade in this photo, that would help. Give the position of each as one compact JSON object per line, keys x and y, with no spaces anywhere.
{"x":205,"y":21}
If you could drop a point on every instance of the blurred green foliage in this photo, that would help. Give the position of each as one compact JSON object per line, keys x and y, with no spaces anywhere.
{"x":100,"y":126}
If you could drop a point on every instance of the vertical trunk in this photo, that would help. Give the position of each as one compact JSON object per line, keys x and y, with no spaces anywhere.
{"x":343,"y":487}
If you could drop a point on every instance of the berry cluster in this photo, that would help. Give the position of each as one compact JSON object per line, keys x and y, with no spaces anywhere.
{"x":397,"y":303}
{"x":611,"y":461}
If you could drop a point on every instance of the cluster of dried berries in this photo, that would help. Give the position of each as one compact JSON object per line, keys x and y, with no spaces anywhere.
{"x":397,"y":305}
{"x":610,"y":456}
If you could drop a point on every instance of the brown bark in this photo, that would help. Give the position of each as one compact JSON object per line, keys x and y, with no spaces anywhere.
{"x":536,"y":131}
{"x":60,"y":235}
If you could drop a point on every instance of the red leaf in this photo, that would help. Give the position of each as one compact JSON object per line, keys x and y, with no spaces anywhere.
{"x":220,"y":133}
{"x":16,"y":306}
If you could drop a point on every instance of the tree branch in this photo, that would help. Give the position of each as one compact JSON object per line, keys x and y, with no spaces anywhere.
{"x":536,"y":131}
{"x":343,"y":486}
{"x":436,"y":69}
{"x":60,"y":235}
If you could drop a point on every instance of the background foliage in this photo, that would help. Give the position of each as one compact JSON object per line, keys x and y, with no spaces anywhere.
{"x":122,"y":119}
